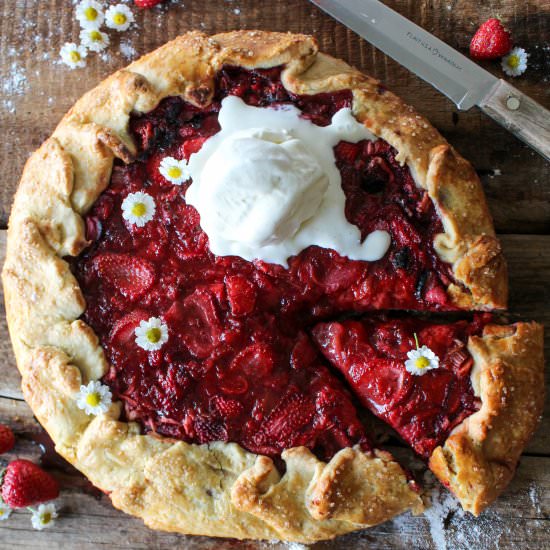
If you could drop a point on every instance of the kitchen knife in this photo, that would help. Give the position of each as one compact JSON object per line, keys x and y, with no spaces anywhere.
{"x":459,"y":78}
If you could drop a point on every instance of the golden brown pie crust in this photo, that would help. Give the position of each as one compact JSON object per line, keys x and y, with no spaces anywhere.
{"x":479,"y":458}
{"x":219,"y":489}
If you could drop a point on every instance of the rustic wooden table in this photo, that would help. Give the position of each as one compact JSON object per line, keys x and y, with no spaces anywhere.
{"x":36,"y":90}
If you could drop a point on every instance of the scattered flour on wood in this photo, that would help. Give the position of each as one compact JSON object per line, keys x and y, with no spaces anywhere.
{"x":127,"y":50}
{"x":15,"y":82}
{"x":8,"y":106}
{"x":535,"y":497}
{"x":443,"y":505}
{"x":276,"y":544}
{"x":453,"y":529}
{"x":482,"y":532}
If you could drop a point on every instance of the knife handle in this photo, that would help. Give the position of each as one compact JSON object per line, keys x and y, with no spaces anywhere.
{"x":521,"y":115}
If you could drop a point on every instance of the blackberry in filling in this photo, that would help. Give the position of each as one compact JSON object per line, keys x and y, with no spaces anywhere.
{"x":239,"y":364}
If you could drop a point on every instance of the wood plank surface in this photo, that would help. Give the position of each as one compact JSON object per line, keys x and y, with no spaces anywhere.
{"x":529,"y":266}
{"x":519,"y":520}
{"x":35,"y":91}
{"x":521,"y":514}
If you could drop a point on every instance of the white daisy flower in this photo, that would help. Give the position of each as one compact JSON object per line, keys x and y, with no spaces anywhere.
{"x":151,"y":335}
{"x":421,"y":360}
{"x":119,"y":17}
{"x":5,"y":511}
{"x":94,"y":399}
{"x":174,"y":170}
{"x":73,"y":55}
{"x":43,"y":516}
{"x":515,"y":62}
{"x":94,"y":39}
{"x":90,"y":14}
{"x":138,"y":208}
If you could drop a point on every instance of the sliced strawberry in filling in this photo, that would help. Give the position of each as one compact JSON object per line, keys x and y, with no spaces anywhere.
{"x":195,"y":321}
{"x":124,"y":273}
{"x":237,"y":365}
{"x":252,"y":396}
{"x":422,"y":405}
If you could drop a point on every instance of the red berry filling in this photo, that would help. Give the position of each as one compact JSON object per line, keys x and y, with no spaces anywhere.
{"x":238,"y":365}
{"x":371,"y":354}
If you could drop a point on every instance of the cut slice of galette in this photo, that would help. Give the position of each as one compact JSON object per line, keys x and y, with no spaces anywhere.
{"x":464,"y":395}
{"x":182,"y":248}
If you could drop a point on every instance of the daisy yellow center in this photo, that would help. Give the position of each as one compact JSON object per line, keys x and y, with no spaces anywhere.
{"x":90,"y":14}
{"x":421,"y":362}
{"x":139,"y":209}
{"x":93,"y":399}
{"x":119,"y":18}
{"x":46,"y":517}
{"x":95,"y":36}
{"x":74,"y":56}
{"x":174,"y":172}
{"x":153,"y":335}
{"x":513,"y":61}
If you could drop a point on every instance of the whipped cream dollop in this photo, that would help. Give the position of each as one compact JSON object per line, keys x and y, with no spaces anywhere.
{"x":266,"y":186}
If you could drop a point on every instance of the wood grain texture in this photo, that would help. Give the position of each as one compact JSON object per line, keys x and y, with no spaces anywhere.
{"x":521,"y":514}
{"x":521,"y":115}
{"x":35,"y":92}
{"x":529,"y":265}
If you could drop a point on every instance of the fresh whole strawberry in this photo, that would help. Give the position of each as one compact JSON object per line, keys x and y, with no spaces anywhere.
{"x":491,"y":41}
{"x":26,"y":484}
{"x":146,"y":3}
{"x":7,"y":439}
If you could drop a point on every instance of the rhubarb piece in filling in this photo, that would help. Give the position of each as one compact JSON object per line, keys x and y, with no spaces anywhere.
{"x":238,"y":364}
{"x":423,"y":401}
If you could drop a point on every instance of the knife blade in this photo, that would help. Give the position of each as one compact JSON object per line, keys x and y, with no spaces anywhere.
{"x":460,"y":79}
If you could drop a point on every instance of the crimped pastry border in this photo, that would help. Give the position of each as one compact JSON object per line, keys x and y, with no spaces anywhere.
{"x":479,"y":458}
{"x":216,"y":489}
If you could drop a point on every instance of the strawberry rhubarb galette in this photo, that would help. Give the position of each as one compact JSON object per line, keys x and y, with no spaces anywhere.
{"x":225,"y":258}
